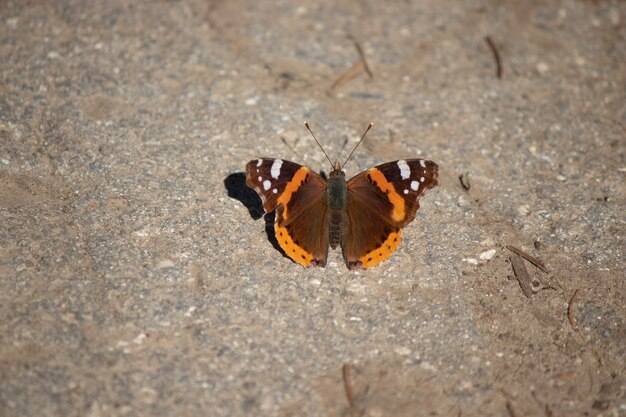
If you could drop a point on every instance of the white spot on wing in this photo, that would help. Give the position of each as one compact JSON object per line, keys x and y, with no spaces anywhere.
{"x":422,"y":179}
{"x":406,"y":191}
{"x":276,"y":168}
{"x":266,"y":185}
{"x":405,"y":171}
{"x":422,"y":163}
{"x":415,"y":185}
{"x":259,"y":162}
{"x":260,"y":178}
{"x":275,"y":191}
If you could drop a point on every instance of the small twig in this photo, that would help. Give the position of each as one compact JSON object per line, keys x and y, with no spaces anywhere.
{"x":519,"y":269}
{"x":354,"y":70}
{"x":347,"y":75}
{"x":345,"y":370}
{"x":496,"y":56}
{"x":509,"y":409}
{"x":566,"y":376}
{"x":546,"y":409}
{"x":548,"y":286}
{"x":464,"y":180}
{"x":528,"y":257}
{"x":363,"y":60}
{"x":287,"y":144}
{"x":570,"y":308}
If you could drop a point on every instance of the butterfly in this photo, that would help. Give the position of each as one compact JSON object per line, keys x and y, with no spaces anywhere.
{"x":364,"y":215}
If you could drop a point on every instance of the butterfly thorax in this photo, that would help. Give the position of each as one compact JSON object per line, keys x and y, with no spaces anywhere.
{"x":337,"y":196}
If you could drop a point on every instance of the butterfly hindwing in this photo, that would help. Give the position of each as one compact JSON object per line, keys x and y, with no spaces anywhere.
{"x":381,"y":201}
{"x":299,"y":197}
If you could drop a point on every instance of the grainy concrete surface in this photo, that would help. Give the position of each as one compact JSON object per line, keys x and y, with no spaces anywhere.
{"x":137,"y":277}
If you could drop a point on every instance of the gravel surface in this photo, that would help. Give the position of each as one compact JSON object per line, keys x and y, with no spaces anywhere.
{"x":137,"y":275}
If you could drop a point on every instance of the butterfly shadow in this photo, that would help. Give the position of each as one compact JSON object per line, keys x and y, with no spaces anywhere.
{"x":236,"y":187}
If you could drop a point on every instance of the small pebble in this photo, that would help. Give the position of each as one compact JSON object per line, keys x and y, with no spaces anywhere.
{"x":402,"y":351}
{"x":166,"y":263}
{"x":543,"y":68}
{"x":190,"y":311}
{"x":252,"y":101}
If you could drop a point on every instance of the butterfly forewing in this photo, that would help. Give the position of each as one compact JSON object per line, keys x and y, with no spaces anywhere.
{"x":410,"y":179}
{"x":381,"y":201}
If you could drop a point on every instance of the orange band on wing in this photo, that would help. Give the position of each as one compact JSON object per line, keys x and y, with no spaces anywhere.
{"x":396,"y":199}
{"x":383,"y":252}
{"x":292,"y":187}
{"x":292,"y":250}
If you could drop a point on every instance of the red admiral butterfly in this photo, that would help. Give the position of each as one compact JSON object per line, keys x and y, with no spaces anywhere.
{"x":365,"y":215}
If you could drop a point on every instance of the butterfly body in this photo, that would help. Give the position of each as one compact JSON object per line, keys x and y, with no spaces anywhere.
{"x":364,"y":215}
{"x":337,"y":194}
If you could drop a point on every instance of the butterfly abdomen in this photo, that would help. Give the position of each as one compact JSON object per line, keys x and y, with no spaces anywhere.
{"x":334,"y":232}
{"x":337,"y":194}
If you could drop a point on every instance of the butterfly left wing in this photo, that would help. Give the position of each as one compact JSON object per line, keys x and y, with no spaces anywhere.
{"x":299,"y":197}
{"x":381,"y":201}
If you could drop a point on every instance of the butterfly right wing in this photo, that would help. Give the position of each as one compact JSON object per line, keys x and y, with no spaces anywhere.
{"x":381,"y":201}
{"x":299,"y":197}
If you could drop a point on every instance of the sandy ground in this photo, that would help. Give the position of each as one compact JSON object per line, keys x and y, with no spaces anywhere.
{"x":136,"y":273}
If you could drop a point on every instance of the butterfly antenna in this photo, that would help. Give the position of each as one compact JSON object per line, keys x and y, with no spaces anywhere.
{"x":357,"y":145}
{"x":318,"y":143}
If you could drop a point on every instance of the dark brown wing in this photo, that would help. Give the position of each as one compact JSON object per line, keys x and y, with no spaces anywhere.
{"x":299,"y":197}
{"x":381,"y":201}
